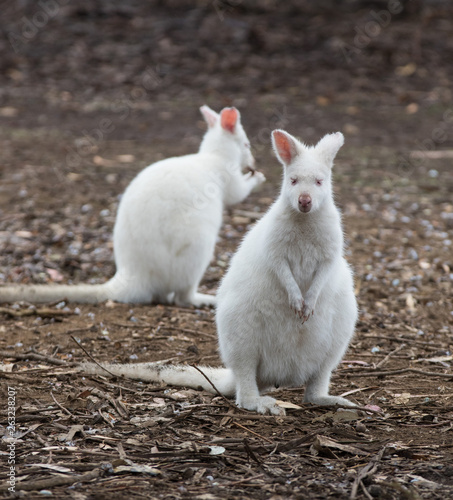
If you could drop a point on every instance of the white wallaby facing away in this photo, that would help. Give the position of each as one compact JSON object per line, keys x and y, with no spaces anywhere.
{"x":167,"y":223}
{"x":286,"y":308}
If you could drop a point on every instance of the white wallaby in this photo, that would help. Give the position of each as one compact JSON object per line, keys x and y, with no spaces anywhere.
{"x":286,"y":308}
{"x":167,"y":223}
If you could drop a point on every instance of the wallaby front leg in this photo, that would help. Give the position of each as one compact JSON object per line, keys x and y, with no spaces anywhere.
{"x":320,"y":279}
{"x":296,"y":300}
{"x":242,"y":184}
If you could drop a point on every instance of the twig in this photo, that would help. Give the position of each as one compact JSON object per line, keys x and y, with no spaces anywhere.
{"x":365,"y":491}
{"x":106,"y":420}
{"x":118,"y":405}
{"x":340,"y":407}
{"x":132,"y":325}
{"x":254,"y":433}
{"x":91,"y":357}
{"x":216,"y":390}
{"x":34,"y":485}
{"x":397,"y":372}
{"x":45,"y":312}
{"x":188,"y":330}
{"x":250,"y":416}
{"x":17,"y":378}
{"x":390,"y":354}
{"x":121,"y":451}
{"x":60,"y":406}
{"x":360,"y":389}
{"x":428,"y":345}
{"x":36,"y":356}
{"x":366,"y":471}
{"x":250,"y":452}
{"x":191,"y":310}
{"x":123,"y":388}
{"x":242,"y":481}
{"x":79,"y":330}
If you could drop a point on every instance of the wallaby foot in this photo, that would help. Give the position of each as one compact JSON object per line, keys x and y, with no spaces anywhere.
{"x":203,"y":299}
{"x":195,"y":299}
{"x":328,"y":400}
{"x":260,"y":404}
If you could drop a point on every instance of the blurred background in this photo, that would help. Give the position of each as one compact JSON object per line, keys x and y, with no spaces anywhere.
{"x":93,"y":91}
{"x":367,"y":67}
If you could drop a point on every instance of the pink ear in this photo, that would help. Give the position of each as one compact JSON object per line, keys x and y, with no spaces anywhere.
{"x":284,"y":145}
{"x":229,"y":118}
{"x":209,"y":115}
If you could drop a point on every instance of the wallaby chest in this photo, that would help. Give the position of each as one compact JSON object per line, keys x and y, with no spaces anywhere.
{"x":310,"y":246}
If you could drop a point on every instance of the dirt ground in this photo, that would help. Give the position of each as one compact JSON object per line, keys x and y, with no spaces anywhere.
{"x":92,"y":92}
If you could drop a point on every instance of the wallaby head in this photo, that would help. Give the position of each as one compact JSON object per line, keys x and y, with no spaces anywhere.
{"x":226,"y":136}
{"x":307,"y":169}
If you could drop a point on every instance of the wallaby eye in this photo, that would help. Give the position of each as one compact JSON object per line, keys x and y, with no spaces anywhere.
{"x":293,"y":181}
{"x":319,"y":182}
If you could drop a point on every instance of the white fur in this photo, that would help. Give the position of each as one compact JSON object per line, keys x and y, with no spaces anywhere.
{"x":286,"y":307}
{"x":167,"y":223}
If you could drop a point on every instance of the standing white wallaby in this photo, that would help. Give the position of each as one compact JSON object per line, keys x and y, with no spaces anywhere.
{"x":167,"y":223}
{"x":286,"y":308}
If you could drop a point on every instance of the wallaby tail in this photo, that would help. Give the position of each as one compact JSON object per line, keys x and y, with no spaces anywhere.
{"x":91,"y":294}
{"x":177,"y":375}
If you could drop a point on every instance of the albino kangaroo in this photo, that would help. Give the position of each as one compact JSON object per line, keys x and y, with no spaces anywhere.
{"x":286,"y":308}
{"x":167,"y":223}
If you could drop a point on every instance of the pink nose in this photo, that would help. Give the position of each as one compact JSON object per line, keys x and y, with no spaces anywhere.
{"x":304,"y":202}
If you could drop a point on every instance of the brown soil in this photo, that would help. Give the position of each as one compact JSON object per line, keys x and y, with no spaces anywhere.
{"x":103,"y":89}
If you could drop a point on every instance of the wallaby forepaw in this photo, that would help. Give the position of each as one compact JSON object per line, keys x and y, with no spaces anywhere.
{"x":302,"y":309}
{"x":306,"y":312}
{"x":296,"y":304}
{"x":261,"y":404}
{"x":257,"y":177}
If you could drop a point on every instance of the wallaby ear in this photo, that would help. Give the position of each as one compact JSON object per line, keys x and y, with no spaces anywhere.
{"x":285,"y":146}
{"x":209,"y":115}
{"x":329,"y":146}
{"x":229,"y":118}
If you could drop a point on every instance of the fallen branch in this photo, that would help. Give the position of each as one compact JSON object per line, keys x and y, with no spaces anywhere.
{"x":360,"y":389}
{"x":36,"y":356}
{"x":18,"y":378}
{"x":188,"y":330}
{"x":398,"y":372}
{"x":118,"y":405}
{"x":61,"y":406}
{"x":91,"y":357}
{"x":54,"y":481}
{"x":252,"y":432}
{"x":216,"y":390}
{"x":426,"y":345}
{"x":389,"y":355}
{"x":44,"y":312}
{"x":366,"y":471}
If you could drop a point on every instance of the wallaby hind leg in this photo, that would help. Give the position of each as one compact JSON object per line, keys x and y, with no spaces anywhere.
{"x":317,"y":388}
{"x":247,"y":392}
{"x":193,"y":298}
{"x":131,"y":288}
